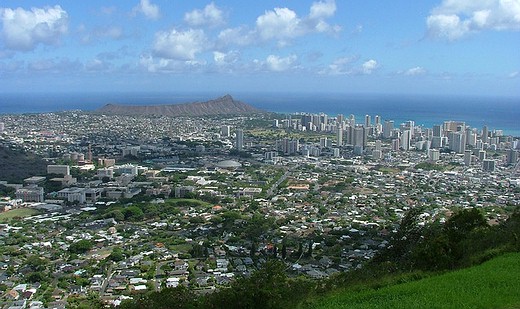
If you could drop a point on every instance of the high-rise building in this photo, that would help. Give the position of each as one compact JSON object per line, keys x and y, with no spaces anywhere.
{"x":324,"y":119}
{"x":454,"y":126}
{"x":405,"y":140}
{"x":340,"y":118}
{"x":512,"y":156}
{"x":437,"y":142}
{"x":395,"y":144}
{"x":323,"y":142}
{"x":488,"y":165}
{"x":287,"y":146}
{"x":239,"y":139}
{"x":360,"y":137}
{"x":270,"y":155}
{"x":433,"y":154}
{"x":377,"y":120}
{"x":352,"y":120}
{"x":339,"y":136}
{"x":458,"y":142}
{"x":482,"y":155}
{"x":410,"y":126}
{"x":437,"y":130}
{"x":388,"y":128}
{"x":485,"y":134}
{"x":368,"y":121}
{"x":471,"y":139}
{"x":2,"y":127}
{"x":377,"y":154}
{"x":467,"y":157}
{"x":225,"y":131}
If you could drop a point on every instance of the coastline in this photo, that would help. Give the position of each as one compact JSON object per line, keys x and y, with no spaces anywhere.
{"x":500,"y":113}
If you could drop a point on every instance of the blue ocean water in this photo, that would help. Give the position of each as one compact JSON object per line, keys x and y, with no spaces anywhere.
{"x":501,"y":113}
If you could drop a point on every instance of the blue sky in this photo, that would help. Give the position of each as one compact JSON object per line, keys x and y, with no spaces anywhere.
{"x":401,"y":47}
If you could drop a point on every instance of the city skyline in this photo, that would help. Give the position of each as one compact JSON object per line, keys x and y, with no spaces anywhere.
{"x":432,"y":47}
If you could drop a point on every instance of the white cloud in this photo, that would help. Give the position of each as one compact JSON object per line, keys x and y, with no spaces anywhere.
{"x":454,"y":19}
{"x":180,"y":45}
{"x":162,"y":65}
{"x":448,"y":27}
{"x":322,"y":9}
{"x":415,"y":71}
{"x":369,"y":66}
{"x":211,"y":16}
{"x":149,"y":10}
{"x":278,"y":64}
{"x":514,"y":74}
{"x":237,"y":36}
{"x":24,"y":30}
{"x":222,"y":59}
{"x":284,"y":24}
{"x":340,"y":66}
{"x":280,"y":23}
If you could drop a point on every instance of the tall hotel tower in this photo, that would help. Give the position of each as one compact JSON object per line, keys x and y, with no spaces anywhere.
{"x":239,"y":142}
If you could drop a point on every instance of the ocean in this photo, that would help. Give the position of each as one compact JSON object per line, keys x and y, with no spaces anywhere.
{"x":501,"y":113}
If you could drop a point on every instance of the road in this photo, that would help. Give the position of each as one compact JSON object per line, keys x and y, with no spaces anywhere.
{"x":107,"y":280}
{"x":275,"y":185}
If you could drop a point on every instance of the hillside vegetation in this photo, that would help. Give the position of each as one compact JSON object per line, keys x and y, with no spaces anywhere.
{"x":16,"y":165}
{"x":493,"y":284}
{"x":413,"y":272}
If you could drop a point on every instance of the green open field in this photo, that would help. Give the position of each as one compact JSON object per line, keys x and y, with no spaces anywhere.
{"x":494,"y":284}
{"x":20,"y":212}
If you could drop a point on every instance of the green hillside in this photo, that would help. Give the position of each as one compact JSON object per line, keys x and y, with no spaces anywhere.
{"x":493,"y":284}
{"x":16,"y":165}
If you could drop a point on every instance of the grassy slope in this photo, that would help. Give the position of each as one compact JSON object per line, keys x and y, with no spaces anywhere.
{"x":20,"y":212}
{"x":494,"y":284}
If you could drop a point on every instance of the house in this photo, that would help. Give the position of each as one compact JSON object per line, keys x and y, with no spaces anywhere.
{"x":180,"y":265}
{"x":172,"y":282}
{"x":19,"y":304}
{"x":76,"y":289}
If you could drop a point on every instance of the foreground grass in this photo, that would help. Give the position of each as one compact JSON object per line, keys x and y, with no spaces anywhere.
{"x":17,"y":213}
{"x":494,"y":284}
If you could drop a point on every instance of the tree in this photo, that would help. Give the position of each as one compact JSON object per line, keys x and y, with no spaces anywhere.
{"x":463,"y":222}
{"x":133,"y":213}
{"x":268,"y":287}
{"x":35,"y":277}
{"x":170,"y":298}
{"x":403,"y":241}
{"x":81,"y":246}
{"x":117,"y":214}
{"x":309,"y":250}
{"x":116,"y":255}
{"x":253,"y":250}
{"x":36,"y":263}
{"x":284,"y":250}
